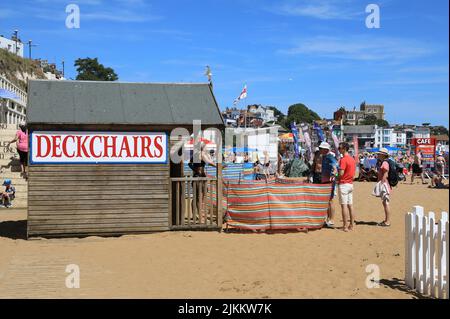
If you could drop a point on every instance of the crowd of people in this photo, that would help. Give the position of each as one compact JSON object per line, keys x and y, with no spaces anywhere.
{"x":407,"y":165}
{"x":340,"y":171}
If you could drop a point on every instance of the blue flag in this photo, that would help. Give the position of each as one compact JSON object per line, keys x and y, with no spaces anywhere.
{"x":319,"y":132}
{"x":295,"y":135}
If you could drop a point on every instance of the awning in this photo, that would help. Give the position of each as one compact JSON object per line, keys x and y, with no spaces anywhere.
{"x":240,"y":149}
{"x":208,"y":143}
{"x":286,"y":138}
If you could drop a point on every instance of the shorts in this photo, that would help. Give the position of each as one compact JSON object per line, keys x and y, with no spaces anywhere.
{"x":23,"y":157}
{"x":416,"y":169}
{"x":346,"y":194}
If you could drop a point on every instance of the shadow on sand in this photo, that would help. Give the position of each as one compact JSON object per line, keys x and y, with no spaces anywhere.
{"x":399,"y":284}
{"x":366,"y":223}
{"x":13,"y":229}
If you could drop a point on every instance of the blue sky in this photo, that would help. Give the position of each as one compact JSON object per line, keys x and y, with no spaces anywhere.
{"x":318,"y":52}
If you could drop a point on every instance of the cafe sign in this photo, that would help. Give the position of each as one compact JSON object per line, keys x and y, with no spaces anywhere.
{"x":75,"y":147}
{"x":427,"y":146}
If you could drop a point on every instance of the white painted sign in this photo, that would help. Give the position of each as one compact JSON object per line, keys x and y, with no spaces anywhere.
{"x":55,"y":147}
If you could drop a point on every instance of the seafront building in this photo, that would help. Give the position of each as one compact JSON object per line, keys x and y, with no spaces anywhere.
{"x":13,"y":102}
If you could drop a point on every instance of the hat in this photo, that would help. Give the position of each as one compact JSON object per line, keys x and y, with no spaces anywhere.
{"x":6,"y":182}
{"x":325,"y":145}
{"x":383,"y":151}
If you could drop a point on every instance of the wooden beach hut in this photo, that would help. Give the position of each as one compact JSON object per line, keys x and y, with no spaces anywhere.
{"x":100,"y":162}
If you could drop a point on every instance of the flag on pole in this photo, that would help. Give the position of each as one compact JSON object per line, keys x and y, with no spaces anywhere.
{"x":307,"y":138}
{"x":335,"y":140}
{"x":243,"y":95}
{"x":356,"y":146}
{"x":295,"y":135}
{"x":319,"y":132}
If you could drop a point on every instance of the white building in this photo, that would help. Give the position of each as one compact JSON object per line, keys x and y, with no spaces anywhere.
{"x":385,"y":137}
{"x":12,"y":111}
{"x":11,"y":46}
{"x":399,"y":138}
{"x":266,"y":114}
{"x":422,"y":132}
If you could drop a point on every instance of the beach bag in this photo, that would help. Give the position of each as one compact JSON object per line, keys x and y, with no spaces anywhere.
{"x":393,"y":177}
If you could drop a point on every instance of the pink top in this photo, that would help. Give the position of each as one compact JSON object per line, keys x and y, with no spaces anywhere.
{"x":383,"y":169}
{"x":22,"y":141}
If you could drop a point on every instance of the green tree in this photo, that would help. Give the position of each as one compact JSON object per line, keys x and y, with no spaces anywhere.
{"x":439,"y":130}
{"x":281,"y":117}
{"x":370,"y":120}
{"x":91,"y":70}
{"x":301,"y":113}
{"x":382,"y":123}
{"x":373,"y":120}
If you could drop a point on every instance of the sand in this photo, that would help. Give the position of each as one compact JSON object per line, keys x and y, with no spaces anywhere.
{"x":319,"y":264}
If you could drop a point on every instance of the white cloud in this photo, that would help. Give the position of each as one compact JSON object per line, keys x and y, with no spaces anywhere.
{"x":362,"y":48}
{"x":425,"y":69}
{"x":118,"y":16}
{"x":319,"y":9}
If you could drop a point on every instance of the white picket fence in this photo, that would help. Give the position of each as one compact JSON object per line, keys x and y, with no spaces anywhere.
{"x":426,"y":253}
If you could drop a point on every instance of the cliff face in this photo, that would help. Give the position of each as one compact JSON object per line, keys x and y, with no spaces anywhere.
{"x":18,"y":70}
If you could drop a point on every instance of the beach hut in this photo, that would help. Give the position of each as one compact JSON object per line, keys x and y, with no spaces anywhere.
{"x":99,"y":157}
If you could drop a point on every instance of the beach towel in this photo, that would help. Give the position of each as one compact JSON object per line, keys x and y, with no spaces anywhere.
{"x":381,"y":190}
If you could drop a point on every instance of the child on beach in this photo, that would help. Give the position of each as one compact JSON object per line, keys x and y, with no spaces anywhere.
{"x":9,"y":194}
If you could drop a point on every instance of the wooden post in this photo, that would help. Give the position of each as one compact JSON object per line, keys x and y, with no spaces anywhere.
{"x":177,"y":207}
{"x":426,"y":253}
{"x":183,"y":202}
{"x":432,"y":230}
{"x":219,"y":195}
{"x":194,"y":202}
{"x":189,"y":202}
{"x":441,"y":258}
{"x":211,"y":201}
{"x":418,"y":248}
{"x":446,"y":255}
{"x":409,"y":240}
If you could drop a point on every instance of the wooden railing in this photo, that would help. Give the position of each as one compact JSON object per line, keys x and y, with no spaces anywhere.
{"x":196,"y":203}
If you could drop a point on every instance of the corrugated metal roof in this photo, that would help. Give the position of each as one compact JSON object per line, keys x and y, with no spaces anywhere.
{"x":94,"y":102}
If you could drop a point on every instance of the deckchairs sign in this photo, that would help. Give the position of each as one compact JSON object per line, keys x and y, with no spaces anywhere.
{"x":74,"y":147}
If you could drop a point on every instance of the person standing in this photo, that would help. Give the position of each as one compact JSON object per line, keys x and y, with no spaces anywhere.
{"x":347,"y":168}
{"x":199,"y":160}
{"x":385,"y":188}
{"x":21,"y":139}
{"x":440,"y":164}
{"x":417,"y":168}
{"x":316,"y":168}
{"x":329,"y":173}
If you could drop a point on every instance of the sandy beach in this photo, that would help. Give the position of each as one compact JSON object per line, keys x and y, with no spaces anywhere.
{"x":320,"y":264}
